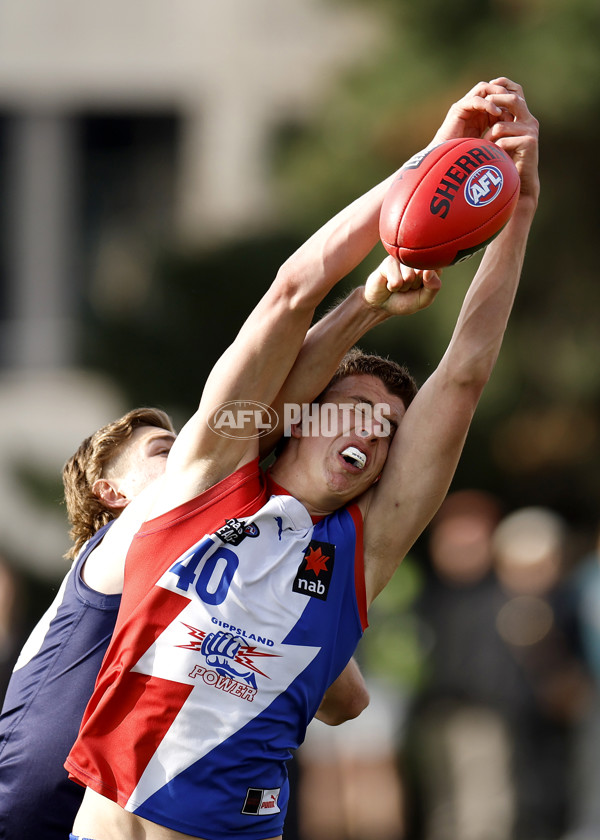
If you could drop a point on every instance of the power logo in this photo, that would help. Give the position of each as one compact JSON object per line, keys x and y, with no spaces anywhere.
{"x":483,"y":186}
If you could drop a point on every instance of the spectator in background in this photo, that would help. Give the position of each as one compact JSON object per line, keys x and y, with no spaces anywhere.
{"x":490,"y":728}
{"x":349,"y":786}
{"x":458,"y":745}
{"x":584,"y":764}
{"x":537,"y":623}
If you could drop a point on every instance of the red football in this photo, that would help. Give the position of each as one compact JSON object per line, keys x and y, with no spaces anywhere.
{"x":448,"y":202}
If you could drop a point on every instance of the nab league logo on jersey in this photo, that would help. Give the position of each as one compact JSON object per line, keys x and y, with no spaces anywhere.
{"x":314,"y":573}
{"x":236,"y":530}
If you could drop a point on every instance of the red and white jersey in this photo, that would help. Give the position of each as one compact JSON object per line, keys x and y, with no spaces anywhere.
{"x":238,"y":612}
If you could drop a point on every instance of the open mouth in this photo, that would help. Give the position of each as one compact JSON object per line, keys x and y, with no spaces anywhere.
{"x":354,"y":456}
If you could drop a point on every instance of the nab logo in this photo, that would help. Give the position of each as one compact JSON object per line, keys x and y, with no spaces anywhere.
{"x":314,"y":573}
{"x":483,"y":186}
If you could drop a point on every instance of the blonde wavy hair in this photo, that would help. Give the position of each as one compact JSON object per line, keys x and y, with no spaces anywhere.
{"x":85,"y":511}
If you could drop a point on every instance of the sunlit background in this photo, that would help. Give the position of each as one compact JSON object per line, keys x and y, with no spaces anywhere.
{"x":158,"y":160}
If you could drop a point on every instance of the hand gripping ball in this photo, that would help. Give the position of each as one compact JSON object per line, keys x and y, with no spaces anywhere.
{"x":447,"y":202}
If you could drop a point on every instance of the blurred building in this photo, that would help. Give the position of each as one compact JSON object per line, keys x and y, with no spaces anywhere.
{"x":124,"y":124}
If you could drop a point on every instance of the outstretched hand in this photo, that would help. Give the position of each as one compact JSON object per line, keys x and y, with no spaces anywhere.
{"x":518,"y":135}
{"x":497,"y":110}
{"x":474,"y":114}
{"x":399,"y":290}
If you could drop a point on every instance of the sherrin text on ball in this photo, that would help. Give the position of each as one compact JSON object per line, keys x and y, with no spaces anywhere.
{"x":447,"y":202}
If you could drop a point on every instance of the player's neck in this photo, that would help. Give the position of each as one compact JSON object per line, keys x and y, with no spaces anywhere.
{"x":291,"y":479}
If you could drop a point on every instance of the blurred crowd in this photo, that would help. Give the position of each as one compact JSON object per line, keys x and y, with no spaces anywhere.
{"x":483,"y":665}
{"x":490,"y":727}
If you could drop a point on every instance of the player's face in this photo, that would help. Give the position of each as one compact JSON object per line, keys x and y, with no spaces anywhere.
{"x":143,"y":460}
{"x":364,"y":416}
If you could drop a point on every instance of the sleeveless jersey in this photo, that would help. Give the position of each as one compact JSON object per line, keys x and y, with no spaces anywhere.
{"x":238,"y":613}
{"x":51,"y":684}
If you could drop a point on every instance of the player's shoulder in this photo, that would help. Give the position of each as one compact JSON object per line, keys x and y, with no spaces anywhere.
{"x":103,"y":567}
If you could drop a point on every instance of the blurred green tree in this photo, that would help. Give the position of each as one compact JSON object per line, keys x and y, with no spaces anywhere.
{"x":535,"y":436}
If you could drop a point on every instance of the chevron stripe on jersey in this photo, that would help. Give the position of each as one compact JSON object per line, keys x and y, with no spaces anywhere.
{"x":172,"y":657}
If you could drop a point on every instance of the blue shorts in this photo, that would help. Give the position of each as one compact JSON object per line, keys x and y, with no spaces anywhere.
{"x":77,"y":837}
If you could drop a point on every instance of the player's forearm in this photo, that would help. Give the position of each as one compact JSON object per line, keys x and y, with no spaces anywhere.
{"x":481,"y":325}
{"x":324,"y":347}
{"x":338,"y":246}
{"x":326,"y":343}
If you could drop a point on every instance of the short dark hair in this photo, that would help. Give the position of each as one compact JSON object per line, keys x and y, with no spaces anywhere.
{"x":394,"y":376}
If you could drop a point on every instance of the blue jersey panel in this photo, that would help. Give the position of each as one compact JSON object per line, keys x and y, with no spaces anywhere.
{"x":334,"y":622}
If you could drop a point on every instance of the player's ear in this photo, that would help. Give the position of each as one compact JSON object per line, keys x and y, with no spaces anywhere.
{"x":296,"y":430}
{"x":109,"y":494}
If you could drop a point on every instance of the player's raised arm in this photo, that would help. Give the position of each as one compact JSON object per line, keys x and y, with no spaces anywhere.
{"x":424,"y":453}
{"x":333,"y":335}
{"x":257,"y":365}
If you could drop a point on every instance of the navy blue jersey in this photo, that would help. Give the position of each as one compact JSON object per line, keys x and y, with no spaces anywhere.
{"x":45,"y":700}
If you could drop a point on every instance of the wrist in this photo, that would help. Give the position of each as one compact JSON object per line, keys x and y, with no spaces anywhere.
{"x":523,"y":214}
{"x":526,"y":206}
{"x":373,"y":313}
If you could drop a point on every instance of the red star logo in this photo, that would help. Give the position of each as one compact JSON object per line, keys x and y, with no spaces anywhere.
{"x":316,"y":561}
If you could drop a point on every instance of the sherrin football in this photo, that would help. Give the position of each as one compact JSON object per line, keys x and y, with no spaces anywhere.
{"x":447,"y":202}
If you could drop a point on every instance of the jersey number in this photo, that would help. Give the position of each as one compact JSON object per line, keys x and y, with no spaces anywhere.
{"x":214,"y":579}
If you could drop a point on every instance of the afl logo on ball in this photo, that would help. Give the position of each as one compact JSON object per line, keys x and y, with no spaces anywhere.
{"x":483,"y":186}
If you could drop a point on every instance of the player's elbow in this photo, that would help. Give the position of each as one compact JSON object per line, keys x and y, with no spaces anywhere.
{"x":295,"y":288}
{"x":471,"y":383}
{"x":356,"y":705}
{"x":471,"y":372}
{"x":340,"y":711}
